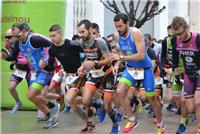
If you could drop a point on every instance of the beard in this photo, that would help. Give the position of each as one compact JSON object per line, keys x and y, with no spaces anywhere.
{"x":123,"y":33}
{"x":86,"y":38}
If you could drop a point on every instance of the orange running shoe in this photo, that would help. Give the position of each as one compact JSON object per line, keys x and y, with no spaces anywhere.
{"x":129,"y":126}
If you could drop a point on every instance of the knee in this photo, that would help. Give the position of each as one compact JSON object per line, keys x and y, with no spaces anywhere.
{"x":11,"y":88}
{"x":31,"y":97}
{"x":121,"y":93}
{"x":190,"y":108}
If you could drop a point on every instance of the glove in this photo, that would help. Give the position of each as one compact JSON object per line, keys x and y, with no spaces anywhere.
{"x":178,"y":80}
{"x":163,"y":73}
{"x":12,"y":66}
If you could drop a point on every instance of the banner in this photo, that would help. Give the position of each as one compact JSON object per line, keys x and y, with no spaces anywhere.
{"x":40,"y":15}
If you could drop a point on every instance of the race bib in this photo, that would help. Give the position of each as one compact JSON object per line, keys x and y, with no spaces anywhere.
{"x":20,"y":73}
{"x":33,"y":75}
{"x":136,"y":74}
{"x":97,"y":73}
{"x":158,"y":81}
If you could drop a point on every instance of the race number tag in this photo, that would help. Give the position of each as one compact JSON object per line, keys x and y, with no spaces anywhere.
{"x":97,"y":73}
{"x":20,"y":73}
{"x":136,"y":74}
{"x":33,"y":75}
{"x":158,"y":81}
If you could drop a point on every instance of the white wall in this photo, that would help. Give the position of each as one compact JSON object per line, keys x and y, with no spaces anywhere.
{"x":68,"y":32}
{"x":194,"y":13}
{"x":95,"y":13}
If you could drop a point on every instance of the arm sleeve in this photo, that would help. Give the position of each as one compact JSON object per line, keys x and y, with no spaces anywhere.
{"x":163,"y":52}
{"x":13,"y":56}
{"x":38,"y":41}
{"x":50,"y":66}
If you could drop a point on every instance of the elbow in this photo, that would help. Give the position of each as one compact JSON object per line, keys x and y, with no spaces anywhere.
{"x":141,"y":57}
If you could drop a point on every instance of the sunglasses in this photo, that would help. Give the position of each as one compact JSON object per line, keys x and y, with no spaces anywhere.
{"x":181,"y":33}
{"x":8,"y":37}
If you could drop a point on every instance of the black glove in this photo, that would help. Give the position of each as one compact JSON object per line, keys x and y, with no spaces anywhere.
{"x":163,"y":73}
{"x":178,"y":79}
{"x":12,"y":66}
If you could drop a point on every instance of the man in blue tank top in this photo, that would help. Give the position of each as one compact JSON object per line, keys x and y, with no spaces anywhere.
{"x":33,"y":48}
{"x":138,"y":67}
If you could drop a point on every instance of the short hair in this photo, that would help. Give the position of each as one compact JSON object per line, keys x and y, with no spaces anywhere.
{"x":76,"y":37}
{"x":21,"y":26}
{"x":95,"y":26}
{"x":55,"y":27}
{"x":178,"y":22}
{"x":169,"y":27}
{"x":122,"y":16}
{"x":86,"y":22}
{"x":148,"y":36}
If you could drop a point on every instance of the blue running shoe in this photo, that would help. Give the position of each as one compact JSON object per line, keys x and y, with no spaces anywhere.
{"x":16,"y":108}
{"x":181,"y":129}
{"x":115,"y":129}
{"x":67,"y":109}
{"x":101,"y":114}
{"x":119,"y":117}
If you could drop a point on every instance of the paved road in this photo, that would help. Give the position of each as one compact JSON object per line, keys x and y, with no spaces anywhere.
{"x":24,"y":122}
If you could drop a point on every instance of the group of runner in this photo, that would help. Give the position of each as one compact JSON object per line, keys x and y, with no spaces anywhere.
{"x":97,"y":75}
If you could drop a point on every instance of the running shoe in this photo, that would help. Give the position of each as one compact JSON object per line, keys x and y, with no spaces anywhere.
{"x":16,"y":108}
{"x":161,"y":130}
{"x":88,"y":128}
{"x":181,"y":129}
{"x":119,"y":117}
{"x":129,"y":126}
{"x":101,"y":114}
{"x":51,"y":123}
{"x":115,"y":129}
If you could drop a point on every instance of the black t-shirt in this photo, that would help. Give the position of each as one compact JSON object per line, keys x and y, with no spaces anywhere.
{"x":68,"y":54}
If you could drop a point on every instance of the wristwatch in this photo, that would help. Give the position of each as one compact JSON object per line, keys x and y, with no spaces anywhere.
{"x":121,"y":57}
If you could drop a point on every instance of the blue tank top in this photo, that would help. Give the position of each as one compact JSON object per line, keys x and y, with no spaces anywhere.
{"x":32,"y":54}
{"x":128,"y":47}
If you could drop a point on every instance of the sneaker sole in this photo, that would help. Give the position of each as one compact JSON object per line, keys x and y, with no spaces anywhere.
{"x":53,"y":126}
{"x":132,"y":128}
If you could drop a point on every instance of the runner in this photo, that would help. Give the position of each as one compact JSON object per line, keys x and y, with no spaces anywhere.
{"x":99,"y":67}
{"x":20,"y":72}
{"x":32,"y":47}
{"x":139,"y":67}
{"x":188,"y":48}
